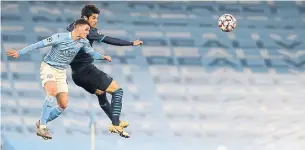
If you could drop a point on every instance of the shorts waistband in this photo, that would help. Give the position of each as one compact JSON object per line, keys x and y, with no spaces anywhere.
{"x":58,"y":69}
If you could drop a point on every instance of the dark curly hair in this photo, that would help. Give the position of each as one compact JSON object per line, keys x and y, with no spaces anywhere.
{"x":88,"y":10}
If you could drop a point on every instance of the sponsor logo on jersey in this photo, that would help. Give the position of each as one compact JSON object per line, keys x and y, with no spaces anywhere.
{"x":78,"y":45}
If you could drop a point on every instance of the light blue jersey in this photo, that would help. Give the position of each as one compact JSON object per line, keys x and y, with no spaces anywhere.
{"x":63,"y":50}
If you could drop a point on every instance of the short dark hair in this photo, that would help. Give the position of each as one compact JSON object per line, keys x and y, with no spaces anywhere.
{"x":89,"y":10}
{"x":81,"y":22}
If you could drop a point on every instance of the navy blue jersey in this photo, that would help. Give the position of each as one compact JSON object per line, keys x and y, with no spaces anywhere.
{"x":82,"y":58}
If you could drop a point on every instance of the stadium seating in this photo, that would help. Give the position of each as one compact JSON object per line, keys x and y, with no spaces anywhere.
{"x":190,"y":86}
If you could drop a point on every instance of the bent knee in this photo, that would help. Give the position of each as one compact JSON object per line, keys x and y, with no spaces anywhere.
{"x":62,"y":100}
{"x":119,"y":91}
{"x":114,"y":86}
{"x":63,"y":106}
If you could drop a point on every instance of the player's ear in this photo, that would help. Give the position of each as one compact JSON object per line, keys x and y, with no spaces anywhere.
{"x":86,"y":18}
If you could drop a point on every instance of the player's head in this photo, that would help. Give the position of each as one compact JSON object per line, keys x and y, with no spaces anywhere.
{"x":82,"y":27}
{"x":90,"y":13}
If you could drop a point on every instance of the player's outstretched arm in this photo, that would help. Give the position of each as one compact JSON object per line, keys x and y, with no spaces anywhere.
{"x":95,"y":55}
{"x":119,"y":42}
{"x":43,"y":43}
{"x":112,"y":41}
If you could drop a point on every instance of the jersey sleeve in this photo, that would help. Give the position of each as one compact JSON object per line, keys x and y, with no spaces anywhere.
{"x":51,"y":40}
{"x":95,"y":36}
{"x":46,"y":42}
{"x":116,"y":41}
{"x":89,"y":50}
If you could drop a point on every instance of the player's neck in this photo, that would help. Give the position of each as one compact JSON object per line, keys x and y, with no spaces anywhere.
{"x":74,"y":35}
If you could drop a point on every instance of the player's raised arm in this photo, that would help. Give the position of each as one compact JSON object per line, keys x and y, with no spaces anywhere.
{"x":43,"y":43}
{"x":88,"y":49}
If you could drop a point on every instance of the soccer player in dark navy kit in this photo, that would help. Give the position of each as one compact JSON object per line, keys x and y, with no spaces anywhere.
{"x":95,"y":81}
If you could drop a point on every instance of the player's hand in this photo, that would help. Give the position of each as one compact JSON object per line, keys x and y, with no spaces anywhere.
{"x":108,"y":58}
{"x":137,"y":42}
{"x":12,"y":53}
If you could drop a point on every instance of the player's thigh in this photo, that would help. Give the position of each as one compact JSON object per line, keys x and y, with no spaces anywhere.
{"x":61,"y":81}
{"x":106,"y":84}
{"x":95,"y":83}
{"x":48,"y":78}
{"x":62,"y":88}
{"x":51,"y":88}
{"x":87,"y":82}
{"x":112,"y":87}
{"x":62,"y":100}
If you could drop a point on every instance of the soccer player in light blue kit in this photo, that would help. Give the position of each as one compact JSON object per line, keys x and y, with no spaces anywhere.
{"x":53,"y":69}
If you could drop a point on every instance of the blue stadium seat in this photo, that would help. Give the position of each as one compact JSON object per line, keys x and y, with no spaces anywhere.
{"x":8,"y":106}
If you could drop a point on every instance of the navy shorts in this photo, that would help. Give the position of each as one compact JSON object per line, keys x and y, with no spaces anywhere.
{"x":91,"y":78}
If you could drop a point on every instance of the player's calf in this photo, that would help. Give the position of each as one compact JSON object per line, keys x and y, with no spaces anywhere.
{"x":41,"y":126}
{"x":105,"y":105}
{"x":116,"y":107}
{"x":50,"y":88}
{"x":103,"y":102}
{"x":62,"y":103}
{"x":116,"y":102}
{"x":62,"y":100}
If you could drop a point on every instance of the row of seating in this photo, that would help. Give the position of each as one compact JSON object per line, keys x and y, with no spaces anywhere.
{"x":208,"y":7}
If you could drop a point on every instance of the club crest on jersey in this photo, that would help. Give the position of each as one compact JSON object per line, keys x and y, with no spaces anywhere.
{"x":49,"y":76}
{"x":78,"y":45}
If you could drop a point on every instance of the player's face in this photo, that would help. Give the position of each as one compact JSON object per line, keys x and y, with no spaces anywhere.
{"x":83,"y":30}
{"x":93,"y":19}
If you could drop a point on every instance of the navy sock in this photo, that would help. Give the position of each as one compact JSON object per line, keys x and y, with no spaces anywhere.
{"x":104,"y":104}
{"x":116,"y":106}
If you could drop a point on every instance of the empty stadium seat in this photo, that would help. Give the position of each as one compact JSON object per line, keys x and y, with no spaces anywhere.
{"x":190,"y":85}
